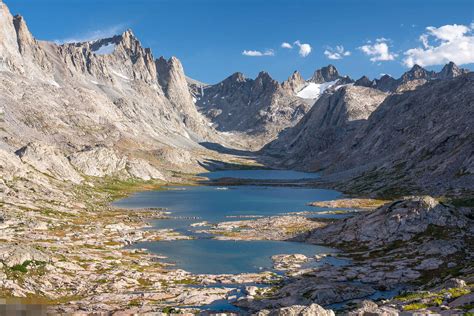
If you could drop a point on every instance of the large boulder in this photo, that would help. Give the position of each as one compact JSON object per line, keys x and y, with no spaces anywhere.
{"x":399,"y":220}
{"x":103,"y":161}
{"x":98,"y":161}
{"x":297,"y":310}
{"x":369,"y":308}
{"x":12,"y":255}
{"x":48,"y":160}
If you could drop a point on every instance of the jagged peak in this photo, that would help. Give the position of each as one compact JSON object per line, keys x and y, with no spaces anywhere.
{"x":386,"y":76}
{"x":264,"y":76}
{"x":295,"y":75}
{"x":416,"y":67}
{"x":451,"y":66}
{"x":417,"y":72}
{"x":235,"y":77}
{"x":363,"y":81}
{"x":172,"y":64}
{"x":451,"y":70}
{"x":128,"y":33}
{"x":325,"y":74}
{"x":24,"y":35}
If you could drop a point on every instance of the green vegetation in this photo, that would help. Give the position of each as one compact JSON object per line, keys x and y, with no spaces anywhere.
{"x":134,"y":303}
{"x":457,"y":292}
{"x":170,"y":310}
{"x":414,"y":306}
{"x":414,"y":296}
{"x":23,"y":268}
{"x":421,"y":300}
{"x":186,"y":281}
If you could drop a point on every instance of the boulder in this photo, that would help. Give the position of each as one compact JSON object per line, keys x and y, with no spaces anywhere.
{"x":47,"y":159}
{"x":297,"y":310}
{"x":369,"y":308}
{"x":396,"y":221}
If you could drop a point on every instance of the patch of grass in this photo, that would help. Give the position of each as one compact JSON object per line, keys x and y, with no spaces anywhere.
{"x":414,"y":296}
{"x":134,"y":303}
{"x":23,"y":268}
{"x":170,"y":310}
{"x":145,"y":282}
{"x":457,"y":292}
{"x":186,"y":281}
{"x":414,"y":306}
{"x":20,"y":268}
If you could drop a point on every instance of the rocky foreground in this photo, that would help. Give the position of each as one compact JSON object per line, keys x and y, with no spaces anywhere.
{"x":71,"y":253}
{"x":418,"y":251}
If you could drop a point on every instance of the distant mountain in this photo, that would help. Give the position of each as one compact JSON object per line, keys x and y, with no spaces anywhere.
{"x":411,"y":79}
{"x":390,"y":144}
{"x":262,"y":107}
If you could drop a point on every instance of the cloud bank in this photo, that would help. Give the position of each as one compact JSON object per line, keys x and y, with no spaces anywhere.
{"x":441,"y":45}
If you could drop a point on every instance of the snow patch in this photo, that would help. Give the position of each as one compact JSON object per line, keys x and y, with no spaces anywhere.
{"x":314,"y":90}
{"x":194,"y":100}
{"x":54,"y":83}
{"x":105,"y":49}
{"x":120,"y":75}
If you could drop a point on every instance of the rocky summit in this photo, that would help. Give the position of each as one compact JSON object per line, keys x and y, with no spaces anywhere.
{"x":94,"y":132}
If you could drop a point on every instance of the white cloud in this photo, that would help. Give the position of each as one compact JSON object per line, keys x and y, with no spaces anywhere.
{"x":286,"y":45}
{"x":93,"y":35}
{"x":336,"y":53}
{"x":380,"y":51}
{"x":443,"y":44}
{"x":257,"y":53}
{"x":305,"y":49}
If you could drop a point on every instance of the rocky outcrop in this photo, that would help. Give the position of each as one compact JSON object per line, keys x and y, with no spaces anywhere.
{"x":397,"y":221}
{"x":369,"y":308}
{"x":173,"y":81}
{"x":102,"y":161}
{"x":294,"y":83}
{"x":14,"y":255}
{"x":297,"y":310}
{"x":141,"y":169}
{"x":98,"y":162}
{"x":48,"y":160}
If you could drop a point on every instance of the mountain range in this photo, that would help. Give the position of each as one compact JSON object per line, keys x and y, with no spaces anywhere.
{"x":109,"y":107}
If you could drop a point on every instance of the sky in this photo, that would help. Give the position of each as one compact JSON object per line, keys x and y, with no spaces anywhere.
{"x":215,"y":38}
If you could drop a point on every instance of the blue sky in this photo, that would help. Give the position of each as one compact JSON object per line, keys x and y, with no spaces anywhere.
{"x":209,"y":36}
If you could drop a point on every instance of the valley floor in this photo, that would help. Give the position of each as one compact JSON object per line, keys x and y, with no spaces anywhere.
{"x":72,"y":254}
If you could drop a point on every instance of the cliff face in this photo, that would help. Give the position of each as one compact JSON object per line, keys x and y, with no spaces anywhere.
{"x":332,"y":119}
{"x":416,"y":139}
{"x":77,"y":98}
{"x":259,"y":107}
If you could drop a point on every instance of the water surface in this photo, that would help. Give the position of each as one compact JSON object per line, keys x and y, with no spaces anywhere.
{"x":261,"y":174}
{"x":213,"y":204}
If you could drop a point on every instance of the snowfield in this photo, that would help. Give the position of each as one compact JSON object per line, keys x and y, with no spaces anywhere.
{"x":314,"y":90}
